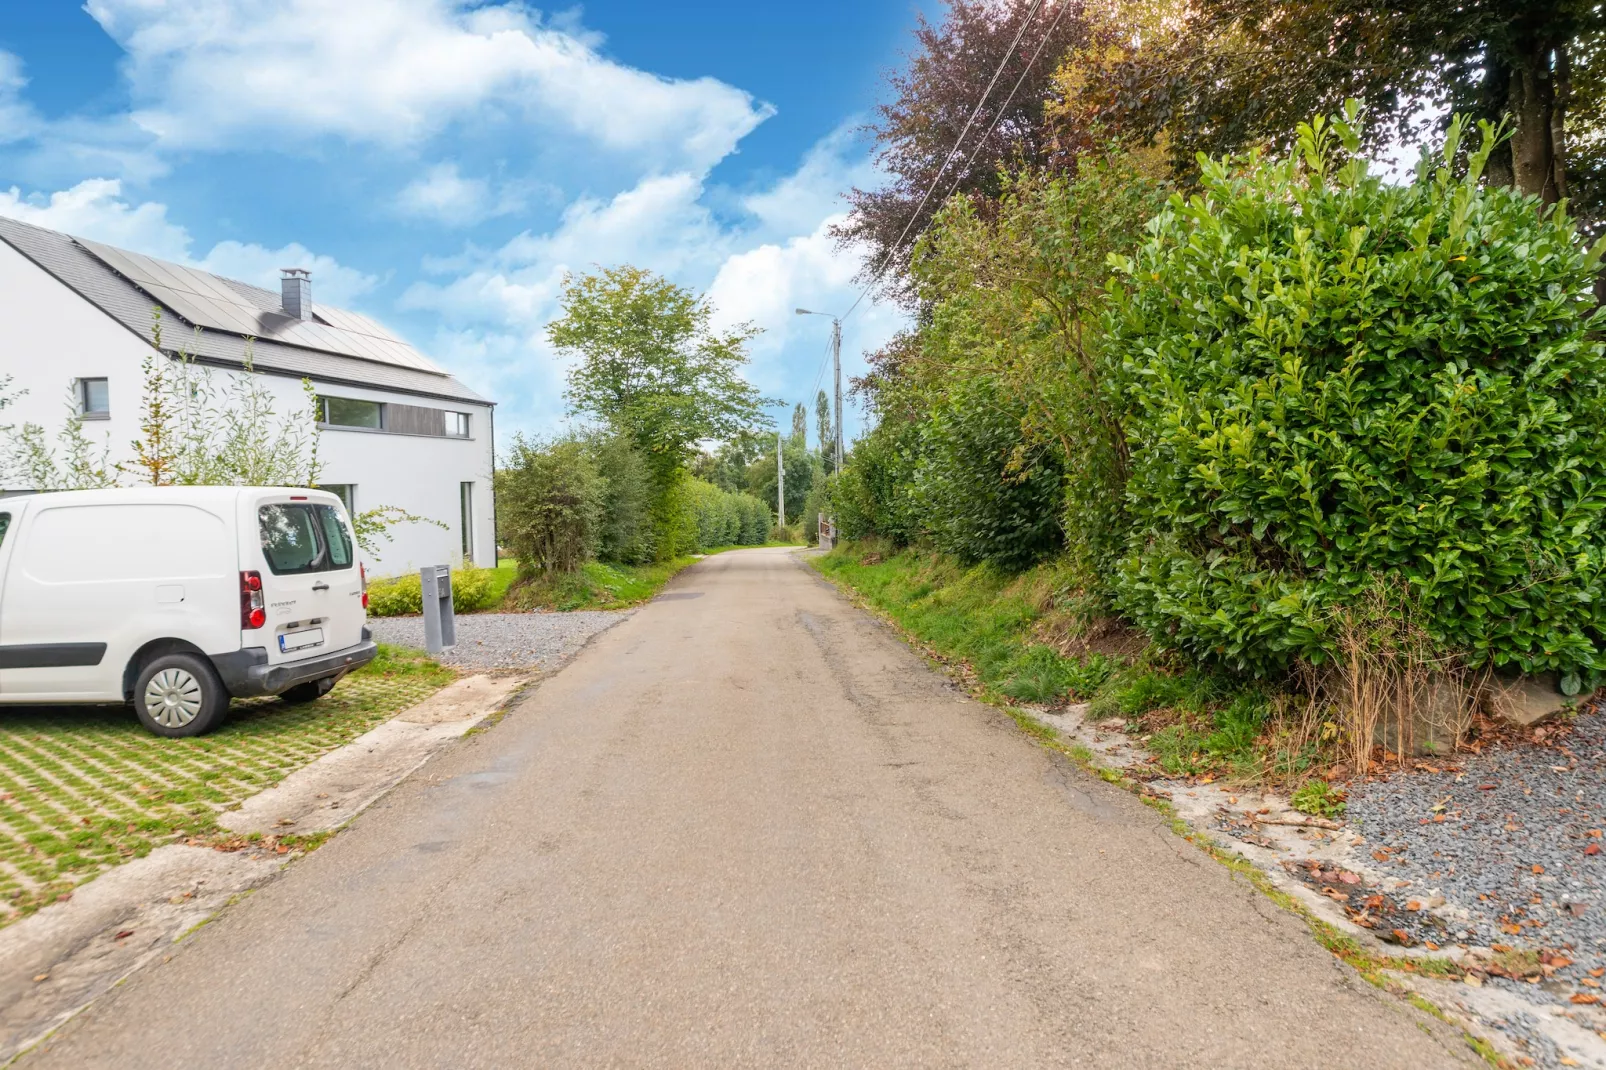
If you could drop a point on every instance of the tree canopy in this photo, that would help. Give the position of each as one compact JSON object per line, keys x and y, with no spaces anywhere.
{"x":651,"y":365}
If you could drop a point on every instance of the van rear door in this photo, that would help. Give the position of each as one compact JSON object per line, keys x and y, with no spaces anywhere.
{"x":311,"y":587}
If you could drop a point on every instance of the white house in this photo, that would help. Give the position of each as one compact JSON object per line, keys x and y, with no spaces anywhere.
{"x":395,"y":430}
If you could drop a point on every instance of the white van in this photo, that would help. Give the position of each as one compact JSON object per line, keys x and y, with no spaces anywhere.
{"x":174,"y":599}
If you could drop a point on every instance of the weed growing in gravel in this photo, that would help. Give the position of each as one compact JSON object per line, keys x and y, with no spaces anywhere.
{"x":85,"y":788}
{"x":1320,"y":798}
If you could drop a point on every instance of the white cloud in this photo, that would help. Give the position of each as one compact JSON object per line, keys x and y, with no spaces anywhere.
{"x":17,"y":117}
{"x":217,"y":73}
{"x":495,"y":304}
{"x":94,"y":209}
{"x":444,"y":195}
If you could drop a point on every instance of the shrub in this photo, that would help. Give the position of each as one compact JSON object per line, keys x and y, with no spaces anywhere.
{"x":871,"y":493}
{"x":550,"y":503}
{"x":1335,"y":382}
{"x":985,"y":493}
{"x":625,"y":533}
{"x":472,"y":588}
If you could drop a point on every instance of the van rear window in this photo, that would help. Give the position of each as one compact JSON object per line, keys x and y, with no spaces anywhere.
{"x":290,"y":539}
{"x":335,"y":537}
{"x":5,"y":525}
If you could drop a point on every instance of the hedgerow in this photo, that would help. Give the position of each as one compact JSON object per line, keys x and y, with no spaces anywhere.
{"x":1333,"y":382}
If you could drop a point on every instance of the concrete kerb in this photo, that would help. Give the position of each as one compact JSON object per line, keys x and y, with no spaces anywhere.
{"x":56,"y":962}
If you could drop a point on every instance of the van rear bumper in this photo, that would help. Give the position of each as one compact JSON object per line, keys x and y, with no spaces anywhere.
{"x":247,"y":672}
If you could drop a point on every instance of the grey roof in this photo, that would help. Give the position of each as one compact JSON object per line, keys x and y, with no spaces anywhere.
{"x":72,"y":262}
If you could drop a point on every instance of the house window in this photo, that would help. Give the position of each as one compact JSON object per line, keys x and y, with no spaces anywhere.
{"x":457,"y":424}
{"x":346,"y":492}
{"x":351,"y":412}
{"x":466,"y":501}
{"x":94,"y":400}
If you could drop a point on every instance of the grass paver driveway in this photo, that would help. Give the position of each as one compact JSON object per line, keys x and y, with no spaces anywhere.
{"x":85,"y":788}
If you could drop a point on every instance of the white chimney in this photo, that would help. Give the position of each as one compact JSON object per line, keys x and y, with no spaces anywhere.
{"x":295,"y":290}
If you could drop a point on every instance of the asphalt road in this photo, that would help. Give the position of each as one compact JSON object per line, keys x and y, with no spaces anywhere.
{"x":747,"y":827}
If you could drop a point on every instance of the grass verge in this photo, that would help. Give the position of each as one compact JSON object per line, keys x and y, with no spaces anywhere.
{"x":84,"y":788}
{"x":1009,"y":633}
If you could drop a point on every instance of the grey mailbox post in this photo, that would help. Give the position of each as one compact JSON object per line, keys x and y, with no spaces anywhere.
{"x":440,"y":628}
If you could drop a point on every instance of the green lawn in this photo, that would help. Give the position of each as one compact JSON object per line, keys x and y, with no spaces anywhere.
{"x":85,"y":788}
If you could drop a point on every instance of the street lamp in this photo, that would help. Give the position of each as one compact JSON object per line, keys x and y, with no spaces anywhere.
{"x":836,"y":366}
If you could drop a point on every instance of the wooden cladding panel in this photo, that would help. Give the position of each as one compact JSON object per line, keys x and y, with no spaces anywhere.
{"x":414,"y":419}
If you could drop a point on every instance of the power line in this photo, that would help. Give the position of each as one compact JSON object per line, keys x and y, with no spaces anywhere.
{"x":999,"y":114}
{"x":947,"y":159}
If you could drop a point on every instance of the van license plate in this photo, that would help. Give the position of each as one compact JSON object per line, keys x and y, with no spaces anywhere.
{"x":300,"y":640}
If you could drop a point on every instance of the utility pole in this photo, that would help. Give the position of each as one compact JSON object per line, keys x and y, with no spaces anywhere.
{"x":836,"y":366}
{"x":780,"y":481}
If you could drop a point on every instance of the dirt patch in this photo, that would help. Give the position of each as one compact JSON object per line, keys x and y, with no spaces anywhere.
{"x":1075,"y":635}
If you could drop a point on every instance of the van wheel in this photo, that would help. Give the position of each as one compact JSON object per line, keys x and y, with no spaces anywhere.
{"x":179,"y":695}
{"x":309,"y":691}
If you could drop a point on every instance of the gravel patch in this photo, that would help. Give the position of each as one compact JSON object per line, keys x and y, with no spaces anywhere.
{"x":1513,"y":840}
{"x":504,"y":640}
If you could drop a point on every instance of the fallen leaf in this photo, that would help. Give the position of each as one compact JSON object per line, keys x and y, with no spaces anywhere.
{"x":1511,"y":930}
{"x":1430,"y":945}
{"x":1538,"y":868}
{"x":41,"y":977}
{"x":1380,"y":856}
{"x":1597,"y":972}
{"x":1577,"y":909}
{"x":1564,"y":1061}
{"x":1592,"y":849}
{"x":1487,"y":787}
{"x":1585,"y":997}
{"x":124,"y":935}
{"x":1500,"y":948}
{"x":1336,"y":895}
{"x":1438,"y":819}
{"x":1413,"y":905}
{"x":1349,"y":878}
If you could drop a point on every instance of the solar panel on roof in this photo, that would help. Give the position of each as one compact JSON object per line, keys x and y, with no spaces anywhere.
{"x":207,"y":300}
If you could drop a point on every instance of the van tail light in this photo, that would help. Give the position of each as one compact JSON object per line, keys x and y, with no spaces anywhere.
{"x":362,"y":571}
{"x":253,"y":611}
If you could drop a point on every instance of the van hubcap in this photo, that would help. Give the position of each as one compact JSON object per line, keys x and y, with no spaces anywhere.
{"x":173,"y":698}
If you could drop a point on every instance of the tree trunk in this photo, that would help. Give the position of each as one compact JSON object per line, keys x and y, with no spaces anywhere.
{"x":1538,"y":142}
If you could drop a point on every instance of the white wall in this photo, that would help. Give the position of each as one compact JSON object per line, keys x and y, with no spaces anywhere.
{"x":50,"y":336}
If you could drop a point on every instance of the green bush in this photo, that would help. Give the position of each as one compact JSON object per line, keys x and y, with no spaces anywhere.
{"x":983,"y":492}
{"x":472,"y":589}
{"x":550,"y":502}
{"x":625,"y":533}
{"x":871,"y":494}
{"x":720,"y":518}
{"x":1335,"y":383}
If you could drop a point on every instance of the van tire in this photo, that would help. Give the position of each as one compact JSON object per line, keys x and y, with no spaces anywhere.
{"x":179,"y":695}
{"x":310,"y":691}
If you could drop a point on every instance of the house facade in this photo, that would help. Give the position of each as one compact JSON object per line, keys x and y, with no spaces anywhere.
{"x":394,"y":430}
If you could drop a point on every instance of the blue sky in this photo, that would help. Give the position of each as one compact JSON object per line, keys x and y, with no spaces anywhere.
{"x":439,"y":165}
